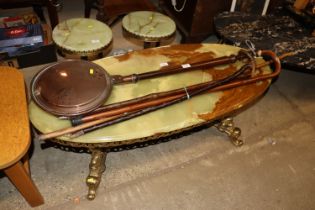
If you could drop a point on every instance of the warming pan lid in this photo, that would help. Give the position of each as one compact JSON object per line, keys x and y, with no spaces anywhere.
{"x":71,"y":87}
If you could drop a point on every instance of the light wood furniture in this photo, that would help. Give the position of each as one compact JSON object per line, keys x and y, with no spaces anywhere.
{"x":15,"y":134}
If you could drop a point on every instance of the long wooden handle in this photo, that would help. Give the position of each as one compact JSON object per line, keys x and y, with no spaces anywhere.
{"x":169,"y":70}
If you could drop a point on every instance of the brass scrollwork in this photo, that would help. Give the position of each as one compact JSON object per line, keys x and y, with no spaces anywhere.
{"x":97,"y":167}
{"x":227,"y":126}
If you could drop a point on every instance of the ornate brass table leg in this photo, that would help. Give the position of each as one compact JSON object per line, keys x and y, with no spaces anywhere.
{"x":227,"y":126}
{"x":97,"y":167}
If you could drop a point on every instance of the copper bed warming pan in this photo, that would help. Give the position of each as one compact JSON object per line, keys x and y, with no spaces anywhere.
{"x":75,"y":87}
{"x":71,"y":87}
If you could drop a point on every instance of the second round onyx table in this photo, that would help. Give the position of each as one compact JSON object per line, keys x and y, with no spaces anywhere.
{"x":150,"y":27}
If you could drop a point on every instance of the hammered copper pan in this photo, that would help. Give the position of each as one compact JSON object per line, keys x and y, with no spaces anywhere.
{"x":71,"y":87}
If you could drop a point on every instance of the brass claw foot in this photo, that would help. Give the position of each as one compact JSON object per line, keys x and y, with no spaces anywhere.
{"x":97,"y":167}
{"x":227,"y":126}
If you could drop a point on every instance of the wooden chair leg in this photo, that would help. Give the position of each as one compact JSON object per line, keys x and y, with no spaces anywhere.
{"x":23,"y":182}
{"x":26,"y":164}
{"x":52,"y":6}
{"x":88,"y":6}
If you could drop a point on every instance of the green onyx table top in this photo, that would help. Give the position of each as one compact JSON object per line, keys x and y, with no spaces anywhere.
{"x":194,"y":111}
{"x":82,"y":35}
{"x":148,"y":24}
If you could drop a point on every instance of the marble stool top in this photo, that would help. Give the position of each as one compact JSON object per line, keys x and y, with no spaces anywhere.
{"x":82,"y":35}
{"x":149,"y":25}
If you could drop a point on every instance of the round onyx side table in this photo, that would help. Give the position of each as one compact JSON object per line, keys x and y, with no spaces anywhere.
{"x":82,"y":38}
{"x":150,"y":27}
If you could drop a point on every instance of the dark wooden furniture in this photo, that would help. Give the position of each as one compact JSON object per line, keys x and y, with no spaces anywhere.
{"x":195,"y":21}
{"x":52,"y":7}
{"x":110,"y":10}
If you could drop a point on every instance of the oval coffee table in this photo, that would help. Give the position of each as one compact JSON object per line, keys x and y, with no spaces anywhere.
{"x":211,"y":108}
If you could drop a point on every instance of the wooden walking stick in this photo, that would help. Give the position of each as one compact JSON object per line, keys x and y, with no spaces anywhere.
{"x":157,"y":98}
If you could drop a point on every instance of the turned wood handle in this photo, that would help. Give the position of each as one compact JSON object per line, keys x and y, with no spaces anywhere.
{"x":133,"y":78}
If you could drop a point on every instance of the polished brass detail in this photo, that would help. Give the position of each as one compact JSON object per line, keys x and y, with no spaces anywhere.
{"x":227,"y":126}
{"x":97,"y":167}
{"x":131,"y":142}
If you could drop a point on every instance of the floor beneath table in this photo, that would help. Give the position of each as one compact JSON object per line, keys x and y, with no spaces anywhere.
{"x":273,"y":170}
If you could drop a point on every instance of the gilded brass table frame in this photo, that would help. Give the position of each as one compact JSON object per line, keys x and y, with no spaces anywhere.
{"x":99,"y":150}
